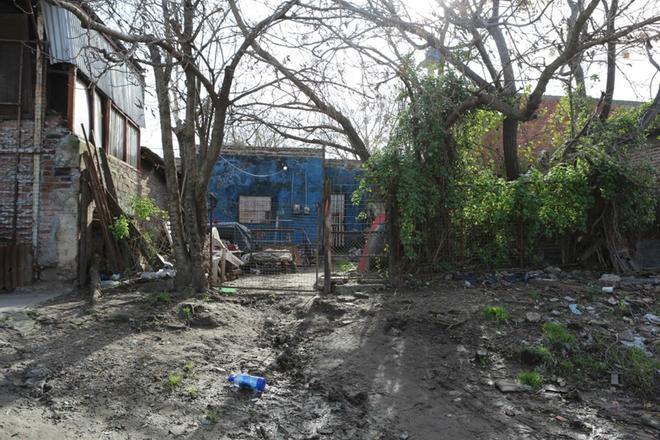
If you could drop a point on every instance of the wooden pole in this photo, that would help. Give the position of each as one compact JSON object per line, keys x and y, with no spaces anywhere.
{"x":327,"y":239}
{"x":223,"y":266}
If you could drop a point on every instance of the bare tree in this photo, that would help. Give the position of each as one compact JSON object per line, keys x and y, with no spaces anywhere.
{"x":194,"y":50}
{"x":503,"y":48}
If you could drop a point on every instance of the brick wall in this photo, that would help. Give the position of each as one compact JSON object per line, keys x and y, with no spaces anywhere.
{"x":58,"y":156}
{"x":13,"y":166}
{"x":650,"y":154}
{"x":130,"y":182}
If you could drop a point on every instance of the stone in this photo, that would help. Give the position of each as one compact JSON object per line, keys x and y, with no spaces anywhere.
{"x":610,"y":278}
{"x":510,"y":386}
{"x":553,"y":270}
{"x":627,"y":335}
{"x":533,"y":317}
{"x":38,"y":372}
{"x":650,"y":421}
{"x":481,"y":356}
{"x":404,"y":436}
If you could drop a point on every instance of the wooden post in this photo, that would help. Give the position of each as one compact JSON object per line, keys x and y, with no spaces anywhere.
{"x":392,"y":228}
{"x":327,"y":239}
{"x":223,"y":265}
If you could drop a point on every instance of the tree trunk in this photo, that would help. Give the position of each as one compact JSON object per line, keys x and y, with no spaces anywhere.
{"x":510,"y":147}
{"x":194,"y":220}
{"x":611,"y":64}
{"x":181,"y":258}
{"x":510,"y":126}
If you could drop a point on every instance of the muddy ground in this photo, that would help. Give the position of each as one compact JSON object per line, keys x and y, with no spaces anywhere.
{"x":418,"y":362}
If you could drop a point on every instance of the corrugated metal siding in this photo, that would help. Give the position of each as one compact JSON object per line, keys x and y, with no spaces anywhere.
{"x":70,"y":43}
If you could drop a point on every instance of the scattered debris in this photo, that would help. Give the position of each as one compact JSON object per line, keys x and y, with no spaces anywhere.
{"x":650,"y":317}
{"x":614,"y":379}
{"x":161,"y":274}
{"x":510,"y":386}
{"x":610,"y":278}
{"x":574,"y":309}
{"x":533,"y":317}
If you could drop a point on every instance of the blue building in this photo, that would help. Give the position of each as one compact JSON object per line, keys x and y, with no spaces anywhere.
{"x":277,"y":194}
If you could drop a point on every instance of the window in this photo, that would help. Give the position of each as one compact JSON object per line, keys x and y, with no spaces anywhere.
{"x":81,"y":109}
{"x":132,"y":147}
{"x":98,"y":120}
{"x":253,"y":209}
{"x":91,"y":110}
{"x":116,"y":134}
{"x":14,"y":51}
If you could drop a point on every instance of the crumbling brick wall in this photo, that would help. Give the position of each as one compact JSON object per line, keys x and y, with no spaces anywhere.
{"x":13,"y":165}
{"x":57,"y":228}
{"x":129,"y":182}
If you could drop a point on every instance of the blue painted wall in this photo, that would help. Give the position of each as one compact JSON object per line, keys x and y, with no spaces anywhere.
{"x":301,"y":184}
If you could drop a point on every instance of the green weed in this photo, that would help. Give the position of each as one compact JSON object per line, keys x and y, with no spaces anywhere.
{"x":174,"y":380}
{"x":347,"y":266}
{"x":639,"y":369}
{"x":188,"y":367}
{"x":557,"y":334}
{"x":544,"y":354}
{"x":591,"y":293}
{"x":212,"y":417}
{"x":535,"y":294}
{"x":496,"y":313}
{"x":163,"y":298}
{"x":192,"y":392}
{"x":531,"y":378}
{"x":187,"y":312}
{"x":566,"y":367}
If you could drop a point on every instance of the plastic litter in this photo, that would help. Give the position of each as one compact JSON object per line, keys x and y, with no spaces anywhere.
{"x":650,"y":317}
{"x":246,"y":381}
{"x":608,"y":289}
{"x":227,"y":290}
{"x":162,"y":273}
{"x":636,"y":342}
{"x":574,"y":309}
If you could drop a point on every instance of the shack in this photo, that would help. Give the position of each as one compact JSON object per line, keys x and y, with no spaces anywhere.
{"x":277,"y":194}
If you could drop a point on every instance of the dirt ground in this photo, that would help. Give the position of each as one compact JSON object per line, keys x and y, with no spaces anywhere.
{"x":418,"y":362}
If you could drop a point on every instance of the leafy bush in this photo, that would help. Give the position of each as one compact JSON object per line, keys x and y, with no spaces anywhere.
{"x":119,"y":228}
{"x":145,"y":207}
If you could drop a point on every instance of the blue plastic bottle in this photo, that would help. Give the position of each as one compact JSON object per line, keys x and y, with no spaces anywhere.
{"x":246,"y":381}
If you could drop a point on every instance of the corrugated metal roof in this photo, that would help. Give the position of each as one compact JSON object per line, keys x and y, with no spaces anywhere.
{"x":70,"y":43}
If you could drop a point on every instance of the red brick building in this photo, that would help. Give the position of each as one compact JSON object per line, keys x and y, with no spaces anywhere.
{"x":54,"y":80}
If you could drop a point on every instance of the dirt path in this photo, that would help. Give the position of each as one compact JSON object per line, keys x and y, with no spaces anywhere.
{"x":384,"y":365}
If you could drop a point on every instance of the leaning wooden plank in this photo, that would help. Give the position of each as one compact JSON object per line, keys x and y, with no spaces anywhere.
{"x":104,"y":215}
{"x":107,"y":175}
{"x":229,"y":257}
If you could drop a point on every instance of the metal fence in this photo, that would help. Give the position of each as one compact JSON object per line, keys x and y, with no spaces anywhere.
{"x":277,"y":246}
{"x":357,"y":239}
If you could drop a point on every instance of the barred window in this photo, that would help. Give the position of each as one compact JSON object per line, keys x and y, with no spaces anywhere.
{"x":254,"y":209}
